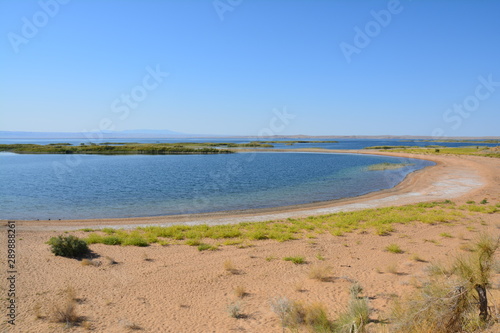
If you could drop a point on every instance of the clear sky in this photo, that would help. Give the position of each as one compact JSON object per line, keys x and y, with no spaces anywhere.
{"x":326,"y":67}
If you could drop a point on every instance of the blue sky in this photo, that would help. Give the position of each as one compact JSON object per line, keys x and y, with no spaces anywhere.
{"x":332,"y":67}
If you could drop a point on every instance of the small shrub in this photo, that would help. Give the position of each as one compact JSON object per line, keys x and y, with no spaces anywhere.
{"x":229,"y":267}
{"x":240,"y":291}
{"x":108,"y":231}
{"x":355,"y":290}
{"x":234,"y":310}
{"x":90,"y":262}
{"x":282,"y":307}
{"x":393,"y":248}
{"x":296,"y":260}
{"x":68,"y":246}
{"x":445,"y":235}
{"x":299,"y":287}
{"x":416,"y":257}
{"x":320,"y":257}
{"x":449,"y":301}
{"x":470,"y":202}
{"x":483,"y":202}
{"x":65,"y":311}
{"x":204,"y":247}
{"x":94,"y":238}
{"x":313,"y":316}
{"x":135,"y":241}
{"x":66,"y":314}
{"x":111,"y":240}
{"x":110,"y":260}
{"x":321,"y":273}
{"x":393,"y":269}
{"x":193,"y":242}
{"x":355,"y":317}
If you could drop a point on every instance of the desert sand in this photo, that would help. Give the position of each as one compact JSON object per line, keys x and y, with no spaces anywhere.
{"x":177,"y":288}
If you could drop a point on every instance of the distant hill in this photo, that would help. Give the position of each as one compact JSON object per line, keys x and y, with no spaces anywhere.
{"x":166,"y":134}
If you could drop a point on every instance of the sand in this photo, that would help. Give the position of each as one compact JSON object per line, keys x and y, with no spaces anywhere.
{"x":176,"y":288}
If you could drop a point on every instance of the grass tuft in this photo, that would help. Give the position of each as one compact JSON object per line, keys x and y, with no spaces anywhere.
{"x":321,"y":273}
{"x":240,"y":291}
{"x":394,"y":248}
{"x":297,"y":260}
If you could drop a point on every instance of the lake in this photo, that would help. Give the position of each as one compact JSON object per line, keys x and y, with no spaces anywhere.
{"x":97,"y":186}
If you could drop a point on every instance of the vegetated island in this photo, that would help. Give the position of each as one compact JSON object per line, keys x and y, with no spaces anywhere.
{"x":387,"y":166}
{"x":123,"y":148}
{"x":440,"y":150}
{"x":115,"y":149}
{"x":454,"y":140}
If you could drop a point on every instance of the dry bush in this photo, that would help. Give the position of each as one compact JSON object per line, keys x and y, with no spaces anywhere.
{"x":66,"y":313}
{"x":321,"y":273}
{"x":299,"y":287}
{"x":449,"y":301}
{"x":65,"y":310}
{"x":297,"y":314}
{"x":393,"y":269}
{"x":230,"y":268}
{"x":240,"y":291}
{"x":90,"y":262}
{"x":417,"y":258}
{"x":110,"y":261}
{"x":234,"y":310}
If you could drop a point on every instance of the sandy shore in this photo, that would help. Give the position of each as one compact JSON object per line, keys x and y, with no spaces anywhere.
{"x":451,"y":178}
{"x":177,"y":288}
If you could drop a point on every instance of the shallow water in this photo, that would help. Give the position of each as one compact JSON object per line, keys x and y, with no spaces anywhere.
{"x":96,"y":186}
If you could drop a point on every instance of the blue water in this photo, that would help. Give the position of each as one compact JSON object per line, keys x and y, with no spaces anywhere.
{"x":95,"y":186}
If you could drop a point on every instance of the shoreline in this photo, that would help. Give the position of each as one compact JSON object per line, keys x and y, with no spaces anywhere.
{"x":452,"y":177}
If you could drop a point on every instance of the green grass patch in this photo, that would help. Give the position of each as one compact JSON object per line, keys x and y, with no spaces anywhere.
{"x":469,"y":150}
{"x":297,"y":260}
{"x":394,"y":248}
{"x":204,"y":247}
{"x":381,"y":221}
{"x":387,"y":166}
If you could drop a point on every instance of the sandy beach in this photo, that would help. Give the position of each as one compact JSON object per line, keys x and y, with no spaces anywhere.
{"x":177,"y":288}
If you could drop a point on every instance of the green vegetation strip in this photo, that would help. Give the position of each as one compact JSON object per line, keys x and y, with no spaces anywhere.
{"x":123,"y":148}
{"x":466,"y":141}
{"x":387,"y":166}
{"x":475,"y":151}
{"x":381,"y":221}
{"x":118,"y":149}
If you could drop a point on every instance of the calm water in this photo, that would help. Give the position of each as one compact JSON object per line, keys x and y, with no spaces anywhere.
{"x":97,"y":186}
